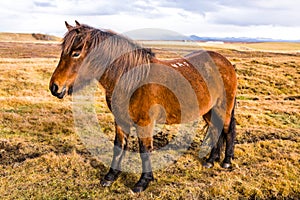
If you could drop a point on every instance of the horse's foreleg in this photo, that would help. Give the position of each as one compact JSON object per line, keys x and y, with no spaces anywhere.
{"x":120,"y":145}
{"x":146,"y":146}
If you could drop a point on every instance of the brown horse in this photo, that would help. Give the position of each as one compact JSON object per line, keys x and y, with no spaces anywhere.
{"x":142,"y":90}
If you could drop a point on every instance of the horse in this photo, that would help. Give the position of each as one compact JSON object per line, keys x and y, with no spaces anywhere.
{"x":142,"y":82}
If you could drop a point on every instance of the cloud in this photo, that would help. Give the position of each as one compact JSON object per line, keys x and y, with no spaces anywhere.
{"x":216,"y":17}
{"x":256,"y":13}
{"x":43,"y":4}
{"x":191,"y":5}
{"x":242,"y":13}
{"x":233,"y":12}
{"x":93,"y":8}
{"x":239,"y":17}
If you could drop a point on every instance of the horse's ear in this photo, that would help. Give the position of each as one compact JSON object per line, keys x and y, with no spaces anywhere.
{"x":69,"y":27}
{"x":77,"y":23}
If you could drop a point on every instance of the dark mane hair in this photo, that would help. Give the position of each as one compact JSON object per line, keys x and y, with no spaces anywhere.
{"x":110,"y":54}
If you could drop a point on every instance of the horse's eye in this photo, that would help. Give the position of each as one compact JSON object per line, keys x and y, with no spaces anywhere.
{"x":75,"y":54}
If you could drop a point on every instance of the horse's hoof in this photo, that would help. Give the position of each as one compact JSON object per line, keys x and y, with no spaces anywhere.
{"x":106,"y":183}
{"x":141,"y":185}
{"x":138,"y":189}
{"x":110,"y":177}
{"x":207,"y":165}
{"x":226,"y":165}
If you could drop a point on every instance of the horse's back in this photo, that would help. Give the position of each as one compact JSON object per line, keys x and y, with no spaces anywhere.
{"x":216,"y":78}
{"x":185,"y":88}
{"x":211,"y":60}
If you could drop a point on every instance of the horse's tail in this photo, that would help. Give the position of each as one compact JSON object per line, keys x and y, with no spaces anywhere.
{"x":232,"y":120}
{"x":232,"y":127}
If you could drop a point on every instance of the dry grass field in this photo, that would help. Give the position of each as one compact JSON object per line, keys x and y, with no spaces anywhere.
{"x":41,"y":156}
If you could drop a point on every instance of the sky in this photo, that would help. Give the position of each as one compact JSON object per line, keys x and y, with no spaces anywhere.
{"x":277,"y":19}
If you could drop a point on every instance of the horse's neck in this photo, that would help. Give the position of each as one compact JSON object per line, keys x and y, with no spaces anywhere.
{"x":110,"y":77}
{"x":107,"y":83}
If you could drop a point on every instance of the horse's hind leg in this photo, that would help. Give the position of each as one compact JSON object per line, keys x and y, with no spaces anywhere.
{"x":215,"y":153}
{"x":120,"y":145}
{"x":229,"y":138}
{"x":228,"y":134}
{"x":214,"y":128}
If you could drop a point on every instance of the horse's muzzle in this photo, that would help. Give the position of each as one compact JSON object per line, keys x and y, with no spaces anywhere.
{"x":54,"y":91}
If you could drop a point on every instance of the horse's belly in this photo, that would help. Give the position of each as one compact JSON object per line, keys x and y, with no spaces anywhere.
{"x":179,"y":116}
{"x":166,"y":106}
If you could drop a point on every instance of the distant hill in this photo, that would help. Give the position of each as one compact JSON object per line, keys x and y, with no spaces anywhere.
{"x":27,"y":37}
{"x":167,"y":35}
{"x":141,"y":34}
{"x":238,"y":39}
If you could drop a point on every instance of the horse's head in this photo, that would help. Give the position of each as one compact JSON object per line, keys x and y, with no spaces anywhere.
{"x":74,"y":50}
{"x":89,"y":53}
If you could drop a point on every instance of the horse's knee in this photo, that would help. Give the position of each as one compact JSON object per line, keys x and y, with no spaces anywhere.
{"x":146,"y":144}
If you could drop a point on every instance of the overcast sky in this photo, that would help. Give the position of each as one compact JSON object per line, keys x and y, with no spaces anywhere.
{"x":278,"y":19}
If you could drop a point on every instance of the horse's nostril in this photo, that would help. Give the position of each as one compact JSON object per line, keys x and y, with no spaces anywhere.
{"x":70,"y":91}
{"x":55,"y":91}
{"x":62,"y":93}
{"x":54,"y":88}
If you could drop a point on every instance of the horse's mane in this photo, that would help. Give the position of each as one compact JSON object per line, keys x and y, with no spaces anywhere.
{"x":111,"y":55}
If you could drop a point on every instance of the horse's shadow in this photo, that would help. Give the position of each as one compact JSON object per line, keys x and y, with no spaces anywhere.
{"x":160,"y":140}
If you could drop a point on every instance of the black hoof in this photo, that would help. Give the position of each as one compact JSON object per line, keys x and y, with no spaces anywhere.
{"x":143,"y":183}
{"x":226,"y":165}
{"x":106,"y":183}
{"x":141,"y":186}
{"x":208,"y":164}
{"x":138,"y":189}
{"x":110,"y":177}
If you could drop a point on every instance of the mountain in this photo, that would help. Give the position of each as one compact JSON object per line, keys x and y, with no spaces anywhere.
{"x":167,"y":35}
{"x":238,"y":39}
{"x":140,"y":34}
